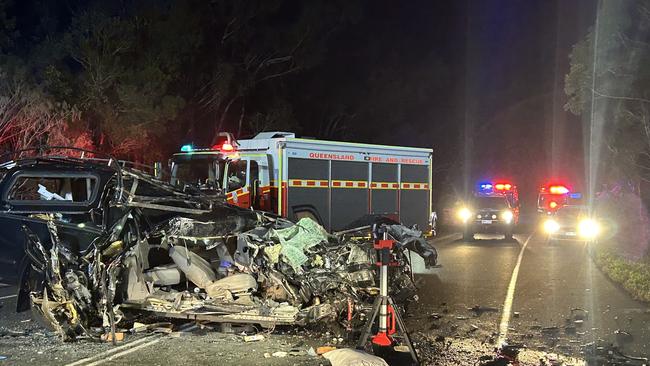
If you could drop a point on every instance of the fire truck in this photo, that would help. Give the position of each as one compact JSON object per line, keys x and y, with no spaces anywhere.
{"x":493,"y":208}
{"x":552,"y":197}
{"x":335,"y":183}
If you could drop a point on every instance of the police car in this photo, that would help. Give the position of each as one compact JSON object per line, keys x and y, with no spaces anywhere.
{"x":494,"y":208}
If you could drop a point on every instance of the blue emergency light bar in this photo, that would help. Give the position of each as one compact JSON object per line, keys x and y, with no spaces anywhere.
{"x":485,"y":187}
{"x":187,"y":148}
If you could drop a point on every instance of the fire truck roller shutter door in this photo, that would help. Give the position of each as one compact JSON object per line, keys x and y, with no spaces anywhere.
{"x":306,"y":195}
{"x":414,"y":195}
{"x":349,"y":192}
{"x":384,"y":186}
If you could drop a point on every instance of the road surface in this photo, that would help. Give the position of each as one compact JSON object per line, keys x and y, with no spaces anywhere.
{"x":558,"y":301}
{"x":487,"y":291}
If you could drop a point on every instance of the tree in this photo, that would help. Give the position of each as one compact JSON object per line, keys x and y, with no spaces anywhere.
{"x":610,"y":88}
{"x":27,"y":117}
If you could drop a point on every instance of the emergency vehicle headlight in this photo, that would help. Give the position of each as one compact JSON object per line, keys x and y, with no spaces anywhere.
{"x":464,"y":214}
{"x":551,"y":226}
{"x":552,"y":204}
{"x":588,"y":228}
{"x":507,"y":216}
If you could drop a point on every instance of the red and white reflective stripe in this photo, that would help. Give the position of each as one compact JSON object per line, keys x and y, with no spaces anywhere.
{"x":308,"y":183}
{"x":423,"y":186}
{"x":384,"y":185}
{"x":349,"y":184}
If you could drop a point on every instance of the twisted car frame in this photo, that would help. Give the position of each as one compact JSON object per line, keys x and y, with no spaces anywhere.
{"x":92,"y":241}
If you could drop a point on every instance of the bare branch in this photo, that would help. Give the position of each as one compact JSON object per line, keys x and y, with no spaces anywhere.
{"x":634,"y":99}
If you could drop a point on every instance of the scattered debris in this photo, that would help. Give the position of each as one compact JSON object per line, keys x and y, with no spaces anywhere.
{"x":108,"y":337}
{"x":402,"y":348}
{"x":516,"y":314}
{"x":505,"y":355}
{"x":254,"y":338}
{"x":579,"y":314}
{"x":622,"y":337}
{"x":479,"y":310}
{"x":324,"y":349}
{"x":280,"y":354}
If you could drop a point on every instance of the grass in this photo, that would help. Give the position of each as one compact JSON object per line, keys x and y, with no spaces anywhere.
{"x":634,"y":276}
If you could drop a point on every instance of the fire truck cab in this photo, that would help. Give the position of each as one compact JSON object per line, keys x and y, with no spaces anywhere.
{"x":335,"y":183}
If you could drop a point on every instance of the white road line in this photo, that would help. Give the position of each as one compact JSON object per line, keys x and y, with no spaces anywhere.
{"x":124,"y":353}
{"x":122,"y":350}
{"x":507,"y":305}
{"x":110,"y":351}
{"x":7,"y":297}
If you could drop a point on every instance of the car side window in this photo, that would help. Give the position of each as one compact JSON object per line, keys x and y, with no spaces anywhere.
{"x":73,"y":189}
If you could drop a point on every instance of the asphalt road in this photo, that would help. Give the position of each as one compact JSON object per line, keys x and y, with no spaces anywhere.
{"x":552,"y":280}
{"x":472,"y":297}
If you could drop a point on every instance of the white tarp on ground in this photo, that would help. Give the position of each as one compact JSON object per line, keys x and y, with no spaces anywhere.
{"x":353,"y":357}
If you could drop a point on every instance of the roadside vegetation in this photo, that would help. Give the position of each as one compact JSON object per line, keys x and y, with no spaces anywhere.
{"x":633,"y":275}
{"x":623,"y":254}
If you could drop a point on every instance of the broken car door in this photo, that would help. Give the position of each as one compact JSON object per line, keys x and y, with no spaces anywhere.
{"x":31,"y":198}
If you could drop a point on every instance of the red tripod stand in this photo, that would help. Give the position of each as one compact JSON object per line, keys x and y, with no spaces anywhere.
{"x":384,"y":307}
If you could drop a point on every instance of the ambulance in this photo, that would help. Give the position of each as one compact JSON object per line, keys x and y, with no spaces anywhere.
{"x":335,"y":183}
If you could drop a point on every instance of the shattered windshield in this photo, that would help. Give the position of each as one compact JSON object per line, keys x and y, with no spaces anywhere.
{"x":198,"y":171}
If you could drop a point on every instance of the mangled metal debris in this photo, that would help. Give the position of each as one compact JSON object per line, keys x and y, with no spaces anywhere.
{"x":151,"y":248}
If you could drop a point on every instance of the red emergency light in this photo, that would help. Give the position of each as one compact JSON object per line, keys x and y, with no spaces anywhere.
{"x":558,"y":189}
{"x":224,"y":147}
{"x":503,"y":186}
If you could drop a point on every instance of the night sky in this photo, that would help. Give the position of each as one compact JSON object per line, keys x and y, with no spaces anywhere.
{"x":479,"y":81}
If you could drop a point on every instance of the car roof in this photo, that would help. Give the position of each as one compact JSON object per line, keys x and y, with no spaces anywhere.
{"x":56,"y":163}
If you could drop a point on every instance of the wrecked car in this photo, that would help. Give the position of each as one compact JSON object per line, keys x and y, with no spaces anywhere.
{"x":92,"y":242}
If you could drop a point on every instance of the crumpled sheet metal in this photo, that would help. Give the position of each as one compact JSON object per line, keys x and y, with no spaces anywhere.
{"x":297,"y":239}
{"x":280,"y":273}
